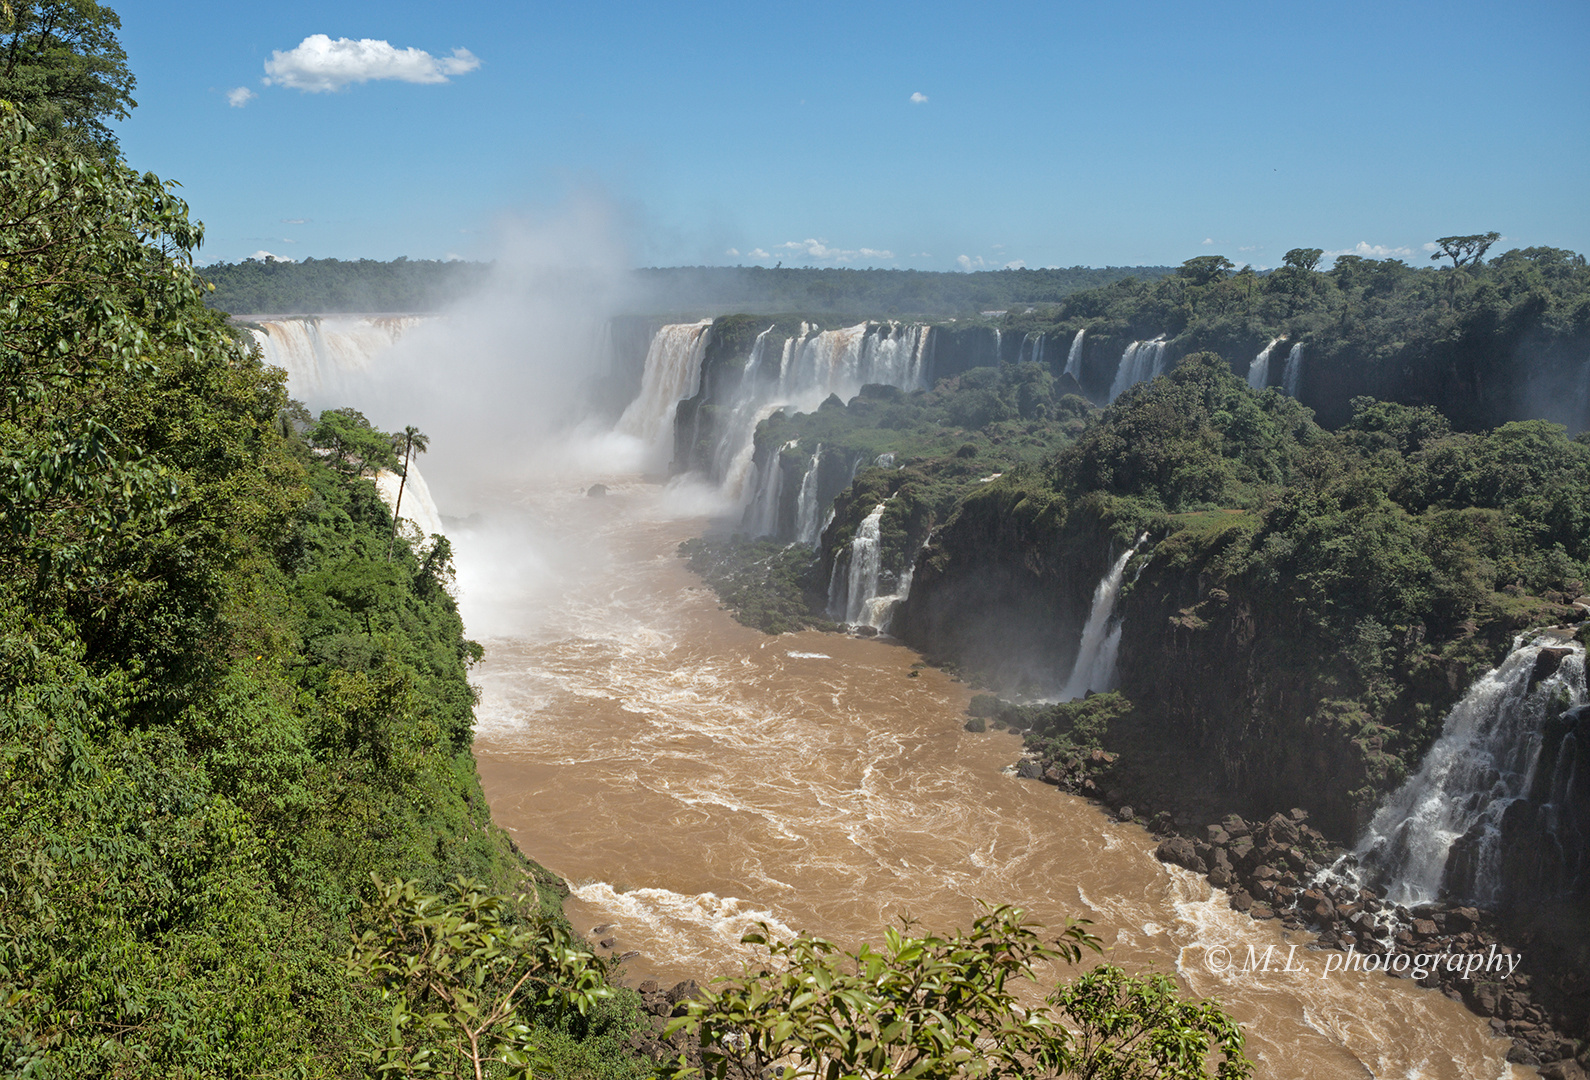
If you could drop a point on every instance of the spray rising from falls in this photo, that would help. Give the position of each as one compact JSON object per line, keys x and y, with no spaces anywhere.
{"x":1292,"y":376}
{"x":1142,"y":360}
{"x":1094,"y":668}
{"x":1259,"y":370}
{"x":1442,"y":830}
{"x":1074,"y":357}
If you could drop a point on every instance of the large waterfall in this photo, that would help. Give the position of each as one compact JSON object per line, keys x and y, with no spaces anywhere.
{"x":1094,"y":668}
{"x":1074,"y":356}
{"x":1031,"y":348}
{"x":1448,"y":816}
{"x":1292,"y":376}
{"x":319,"y":352}
{"x":1141,"y":361}
{"x":673,"y":366}
{"x":1259,"y":369}
{"x":809,"y":519}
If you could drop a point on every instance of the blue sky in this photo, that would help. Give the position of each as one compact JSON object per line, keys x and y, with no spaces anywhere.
{"x":1050,"y":134}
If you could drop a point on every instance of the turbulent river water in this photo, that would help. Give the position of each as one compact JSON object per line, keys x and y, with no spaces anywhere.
{"x":688,"y":776}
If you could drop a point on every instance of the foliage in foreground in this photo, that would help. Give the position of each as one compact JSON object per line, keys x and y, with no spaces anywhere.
{"x":222,"y":706}
{"x":933,"y":1007}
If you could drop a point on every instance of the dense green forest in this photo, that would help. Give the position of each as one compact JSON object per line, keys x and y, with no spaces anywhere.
{"x":1483,"y":342}
{"x":323,"y":286}
{"x":229,"y":706}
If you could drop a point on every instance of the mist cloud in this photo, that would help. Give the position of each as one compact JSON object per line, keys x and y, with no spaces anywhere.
{"x":319,"y":64}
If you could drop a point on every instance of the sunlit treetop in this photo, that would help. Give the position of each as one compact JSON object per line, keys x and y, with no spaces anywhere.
{"x":61,"y":63}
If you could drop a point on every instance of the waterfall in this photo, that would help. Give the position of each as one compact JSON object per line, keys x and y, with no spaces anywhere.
{"x":761,"y":517}
{"x":1141,"y":361}
{"x":320,"y":352}
{"x":1094,"y":668}
{"x":1074,"y":356}
{"x":731,"y":457}
{"x":673,"y":367}
{"x":1259,"y":370}
{"x":1032,"y":348}
{"x":808,"y":523}
{"x":816,"y":363}
{"x":1451,"y":810}
{"x":861,"y":580}
{"x":1292,"y":375}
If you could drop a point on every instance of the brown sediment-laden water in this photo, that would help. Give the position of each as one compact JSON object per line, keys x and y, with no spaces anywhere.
{"x":689,"y":776}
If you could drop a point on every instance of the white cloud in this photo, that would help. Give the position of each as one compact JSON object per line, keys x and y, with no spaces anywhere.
{"x":1251,"y":247}
{"x":1431,"y":246}
{"x":320,"y":64}
{"x":240,"y":96}
{"x":919,"y":98}
{"x":1208,"y":240}
{"x":967,"y":262}
{"x":295,"y":221}
{"x":819,"y":249}
{"x":758,"y":253}
{"x":263,"y":255}
{"x":1372,"y":251}
{"x":734,"y":252}
{"x":1019,"y":264}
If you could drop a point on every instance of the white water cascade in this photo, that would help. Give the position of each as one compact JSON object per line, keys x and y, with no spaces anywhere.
{"x":1292,"y":375}
{"x":732,"y":456}
{"x":1032,"y":348}
{"x":1484,"y":761}
{"x":321,"y":353}
{"x":808,"y":509}
{"x":418,"y":509}
{"x":1259,"y":369}
{"x":1141,"y":361}
{"x":1094,"y":668}
{"x":673,"y":367}
{"x":1074,"y":356}
{"x":861,"y":578}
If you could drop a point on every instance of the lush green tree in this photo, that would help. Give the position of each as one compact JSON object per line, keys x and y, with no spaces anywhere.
{"x":947,"y":1006}
{"x":460,"y":978}
{"x":1306,"y":259}
{"x":1465,"y":250}
{"x":1206,"y":269}
{"x":353,"y":444}
{"x":61,"y":63}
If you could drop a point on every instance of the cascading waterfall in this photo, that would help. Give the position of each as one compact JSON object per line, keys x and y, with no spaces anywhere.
{"x":762,"y":516}
{"x":673,"y":367}
{"x":319,"y":352}
{"x":1292,"y":375}
{"x":731,"y":457}
{"x":1483,"y":762}
{"x":1141,"y":361}
{"x":849,"y":596}
{"x":1259,"y":370}
{"x":1032,"y":348}
{"x":817,"y":363}
{"x":1074,"y":356}
{"x":418,"y":510}
{"x":1094,"y":668}
{"x":808,"y":511}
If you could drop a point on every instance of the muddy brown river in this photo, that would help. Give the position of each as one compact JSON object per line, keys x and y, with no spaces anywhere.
{"x":689,"y":776}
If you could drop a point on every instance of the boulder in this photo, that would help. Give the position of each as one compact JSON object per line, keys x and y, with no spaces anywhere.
{"x":1281,"y":829}
{"x":1425,"y":928}
{"x":596,"y":491}
{"x":1462,"y":919}
{"x":1217,"y":836}
{"x":1235,"y":827}
{"x":1220,"y":877}
{"x":1566,"y":1069}
{"x":1029,"y":770}
{"x":1241,"y":901}
{"x":1179,"y":851}
{"x":1547,"y":662}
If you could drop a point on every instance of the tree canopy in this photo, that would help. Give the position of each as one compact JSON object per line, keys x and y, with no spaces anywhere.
{"x":61,"y":63}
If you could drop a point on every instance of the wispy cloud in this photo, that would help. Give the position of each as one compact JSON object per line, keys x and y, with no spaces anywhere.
{"x":1367,"y":250}
{"x":263,"y":255}
{"x":320,"y":64}
{"x":1208,"y":240}
{"x":295,"y":221}
{"x":732,"y":252}
{"x":240,"y":96}
{"x":819,"y":250}
{"x":919,"y":98}
{"x":757,"y":253}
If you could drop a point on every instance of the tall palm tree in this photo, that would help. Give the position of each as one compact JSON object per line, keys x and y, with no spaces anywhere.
{"x":414,"y":441}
